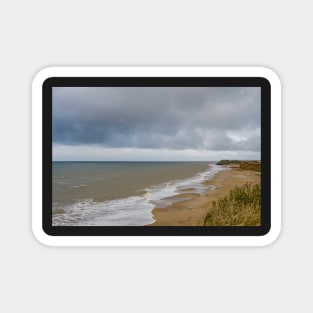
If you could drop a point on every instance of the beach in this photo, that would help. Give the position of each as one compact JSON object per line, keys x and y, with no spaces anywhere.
{"x":192,"y":211}
{"x":141,"y":193}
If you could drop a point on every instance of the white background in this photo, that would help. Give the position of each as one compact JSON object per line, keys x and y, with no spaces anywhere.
{"x":37,"y":34}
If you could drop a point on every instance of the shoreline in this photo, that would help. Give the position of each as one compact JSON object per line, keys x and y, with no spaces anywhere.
{"x":192,"y":211}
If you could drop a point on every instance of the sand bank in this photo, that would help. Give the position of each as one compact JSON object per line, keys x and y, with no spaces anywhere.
{"x":192,"y":211}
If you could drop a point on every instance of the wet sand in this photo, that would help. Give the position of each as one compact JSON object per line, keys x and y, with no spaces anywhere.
{"x":192,"y":211}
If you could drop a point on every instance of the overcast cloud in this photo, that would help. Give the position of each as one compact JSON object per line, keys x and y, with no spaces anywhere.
{"x":143,"y":123}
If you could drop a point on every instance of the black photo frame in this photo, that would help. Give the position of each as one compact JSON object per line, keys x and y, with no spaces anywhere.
{"x":51,"y":82}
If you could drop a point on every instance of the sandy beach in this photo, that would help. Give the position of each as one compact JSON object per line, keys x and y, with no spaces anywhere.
{"x":192,"y":211}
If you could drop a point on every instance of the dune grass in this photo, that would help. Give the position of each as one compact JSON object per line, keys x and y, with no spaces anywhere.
{"x":241,"y":207}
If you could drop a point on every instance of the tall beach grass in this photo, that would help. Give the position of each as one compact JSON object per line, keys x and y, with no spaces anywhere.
{"x":241,"y":207}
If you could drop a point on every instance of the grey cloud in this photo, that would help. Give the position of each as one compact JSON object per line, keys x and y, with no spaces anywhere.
{"x":173,"y":118}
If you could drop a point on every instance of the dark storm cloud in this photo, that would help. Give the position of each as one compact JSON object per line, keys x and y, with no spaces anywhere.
{"x":173,"y":118}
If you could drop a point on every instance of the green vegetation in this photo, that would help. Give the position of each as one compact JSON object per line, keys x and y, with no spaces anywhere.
{"x":227,"y":162}
{"x":244,"y":165}
{"x":242,"y":207}
{"x":251,"y":165}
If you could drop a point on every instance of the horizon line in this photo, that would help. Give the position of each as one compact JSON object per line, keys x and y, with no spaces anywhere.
{"x":156,"y":160}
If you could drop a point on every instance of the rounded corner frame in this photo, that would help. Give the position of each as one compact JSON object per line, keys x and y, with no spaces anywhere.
{"x":263,"y":72}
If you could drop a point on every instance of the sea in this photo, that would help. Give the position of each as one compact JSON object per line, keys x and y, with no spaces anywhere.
{"x":122,"y":193}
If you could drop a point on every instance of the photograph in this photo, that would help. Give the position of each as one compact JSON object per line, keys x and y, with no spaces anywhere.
{"x":156,"y":156}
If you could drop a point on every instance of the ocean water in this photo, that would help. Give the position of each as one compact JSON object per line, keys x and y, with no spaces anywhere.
{"x":122,"y":193}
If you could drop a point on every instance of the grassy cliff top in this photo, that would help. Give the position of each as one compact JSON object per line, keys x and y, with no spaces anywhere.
{"x":244,"y":165}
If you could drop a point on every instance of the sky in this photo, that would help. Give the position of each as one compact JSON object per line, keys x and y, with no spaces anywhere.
{"x":156,"y":123}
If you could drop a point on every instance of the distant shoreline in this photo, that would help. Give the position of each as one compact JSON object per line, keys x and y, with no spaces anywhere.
{"x":192,"y":211}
